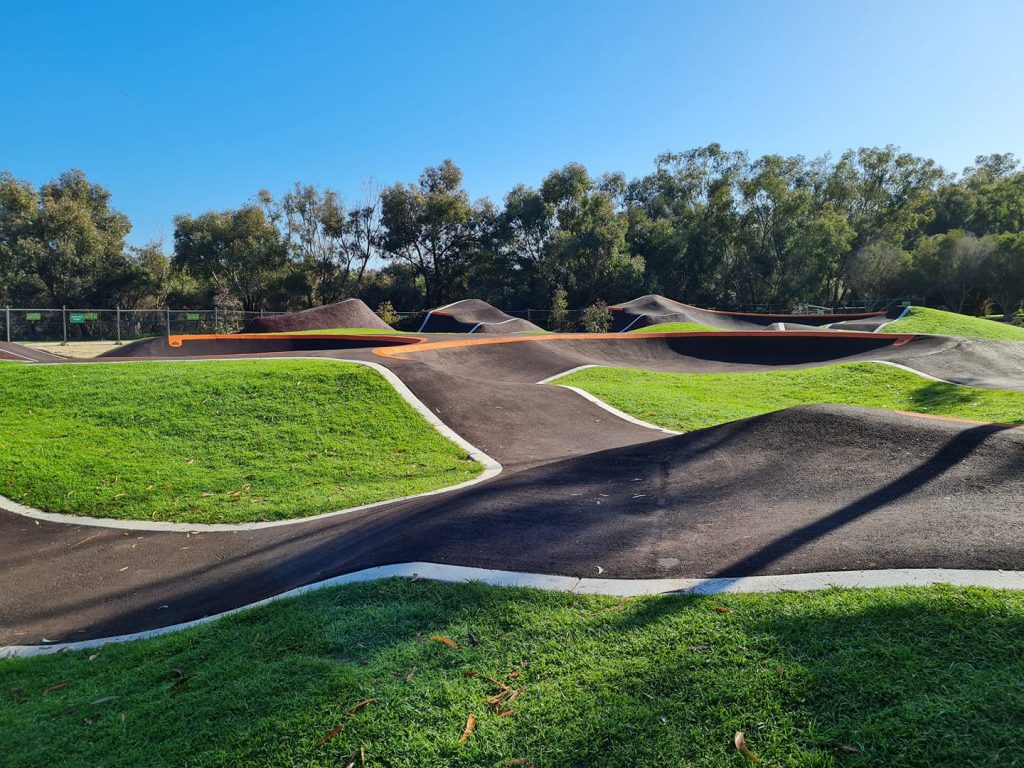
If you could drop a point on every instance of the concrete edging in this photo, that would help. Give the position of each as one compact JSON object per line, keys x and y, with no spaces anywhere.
{"x":800,"y":582}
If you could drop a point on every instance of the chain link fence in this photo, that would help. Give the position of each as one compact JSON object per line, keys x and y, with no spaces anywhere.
{"x":21,"y":324}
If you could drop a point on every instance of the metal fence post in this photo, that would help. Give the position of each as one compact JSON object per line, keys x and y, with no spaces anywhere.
{"x":8,"y":324}
{"x":215,"y":323}
{"x":168,"y":321}
{"x":119,"y":324}
{"x":64,"y":322}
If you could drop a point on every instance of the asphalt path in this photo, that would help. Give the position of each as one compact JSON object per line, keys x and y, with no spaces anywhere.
{"x":583,"y":492}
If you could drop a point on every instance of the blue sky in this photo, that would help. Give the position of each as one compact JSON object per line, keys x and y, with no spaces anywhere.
{"x":187,"y":106}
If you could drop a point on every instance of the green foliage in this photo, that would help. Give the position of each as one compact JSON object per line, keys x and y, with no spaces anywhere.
{"x":219,"y":441}
{"x":559,"y":320}
{"x":239,"y":251}
{"x":892,"y":677}
{"x":689,"y":401}
{"x":707,"y":226}
{"x":596,"y":318}
{"x":935,"y":321}
{"x":675,"y":328}
{"x":386,"y":312}
{"x":433,"y":227}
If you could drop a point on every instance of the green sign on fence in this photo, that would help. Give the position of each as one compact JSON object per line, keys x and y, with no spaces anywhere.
{"x":33,"y":315}
{"x":76,"y":317}
{"x":192,"y":316}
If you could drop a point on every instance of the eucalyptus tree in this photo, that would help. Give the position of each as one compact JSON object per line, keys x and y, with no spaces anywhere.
{"x":434,"y":228}
{"x":238,"y":251}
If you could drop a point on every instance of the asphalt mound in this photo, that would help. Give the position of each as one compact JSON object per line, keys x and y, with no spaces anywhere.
{"x":533,"y":358}
{"x":350,"y":313}
{"x":473,"y":316}
{"x":256,"y":344}
{"x":11,"y":351}
{"x":654,"y":309}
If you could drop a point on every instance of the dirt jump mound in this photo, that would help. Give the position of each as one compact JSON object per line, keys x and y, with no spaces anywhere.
{"x":654,"y":309}
{"x":350,"y":313}
{"x":473,"y":316}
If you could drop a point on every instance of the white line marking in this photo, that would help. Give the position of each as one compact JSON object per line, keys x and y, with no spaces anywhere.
{"x":491,"y":468}
{"x":908,"y":369}
{"x":801,"y":582}
{"x":900,"y":316}
{"x":500,"y":322}
{"x":615,"y":411}
{"x":635,"y":319}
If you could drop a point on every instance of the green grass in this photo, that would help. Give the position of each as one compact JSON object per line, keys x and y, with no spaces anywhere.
{"x":936,"y":321}
{"x":675,"y":328}
{"x":224,"y":441}
{"x":348,"y":331}
{"x":908,"y":677}
{"x":688,"y":401}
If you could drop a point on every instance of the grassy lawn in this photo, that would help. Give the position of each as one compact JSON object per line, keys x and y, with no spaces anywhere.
{"x":909,"y":677}
{"x":688,"y":401}
{"x":675,"y":328}
{"x":925,"y":320}
{"x":347,"y":331}
{"x":224,"y":441}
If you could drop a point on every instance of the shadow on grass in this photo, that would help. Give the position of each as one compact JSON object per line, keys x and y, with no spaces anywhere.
{"x":938,"y":395}
{"x":909,"y":677}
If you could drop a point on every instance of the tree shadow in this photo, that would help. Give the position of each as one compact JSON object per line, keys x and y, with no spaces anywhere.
{"x":912,"y":677}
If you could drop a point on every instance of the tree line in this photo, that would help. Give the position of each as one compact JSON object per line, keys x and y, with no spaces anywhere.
{"x":706,"y":226}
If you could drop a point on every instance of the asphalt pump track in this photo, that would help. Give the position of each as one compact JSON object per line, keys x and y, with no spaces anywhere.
{"x":583,"y":493}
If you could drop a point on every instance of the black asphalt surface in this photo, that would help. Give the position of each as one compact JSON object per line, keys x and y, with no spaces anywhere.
{"x":583,"y":492}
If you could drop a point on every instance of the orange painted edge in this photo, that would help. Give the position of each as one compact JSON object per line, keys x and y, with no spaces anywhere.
{"x":958,"y":420}
{"x":897,"y":339}
{"x":177,"y":340}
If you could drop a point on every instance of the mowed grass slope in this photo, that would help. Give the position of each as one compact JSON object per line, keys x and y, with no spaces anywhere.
{"x":940,"y":323}
{"x":674,"y":328}
{"x":896,"y":677}
{"x":689,"y":401}
{"x":222,"y":441}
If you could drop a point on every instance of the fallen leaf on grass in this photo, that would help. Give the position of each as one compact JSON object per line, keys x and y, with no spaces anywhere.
{"x":742,"y":748}
{"x":505,"y":712}
{"x":723,"y":609}
{"x":848,"y":748}
{"x":329,"y":735}
{"x":468,"y":675}
{"x":445,"y":641}
{"x":411,"y":675}
{"x":473,"y":639}
{"x":352,"y":712}
{"x":470,"y":726}
{"x":56,"y":687}
{"x":190,"y":462}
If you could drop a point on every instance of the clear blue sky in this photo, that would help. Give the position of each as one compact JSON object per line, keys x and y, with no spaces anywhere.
{"x":187,"y":106}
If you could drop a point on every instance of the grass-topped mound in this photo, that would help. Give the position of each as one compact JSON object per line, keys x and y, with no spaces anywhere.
{"x":206,"y":442}
{"x":674,"y":328}
{"x":941,"y":323}
{"x":689,"y":401}
{"x":389,"y":673}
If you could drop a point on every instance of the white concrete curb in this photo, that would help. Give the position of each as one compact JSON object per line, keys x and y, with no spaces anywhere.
{"x":801,"y":582}
{"x":900,"y":316}
{"x":601,"y":403}
{"x":491,"y":469}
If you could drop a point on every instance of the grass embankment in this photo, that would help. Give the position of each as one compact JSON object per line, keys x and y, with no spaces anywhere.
{"x":688,"y":401}
{"x":675,"y":328}
{"x":908,"y":677}
{"x":346,"y":332}
{"x":936,"y":321}
{"x":224,"y":441}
